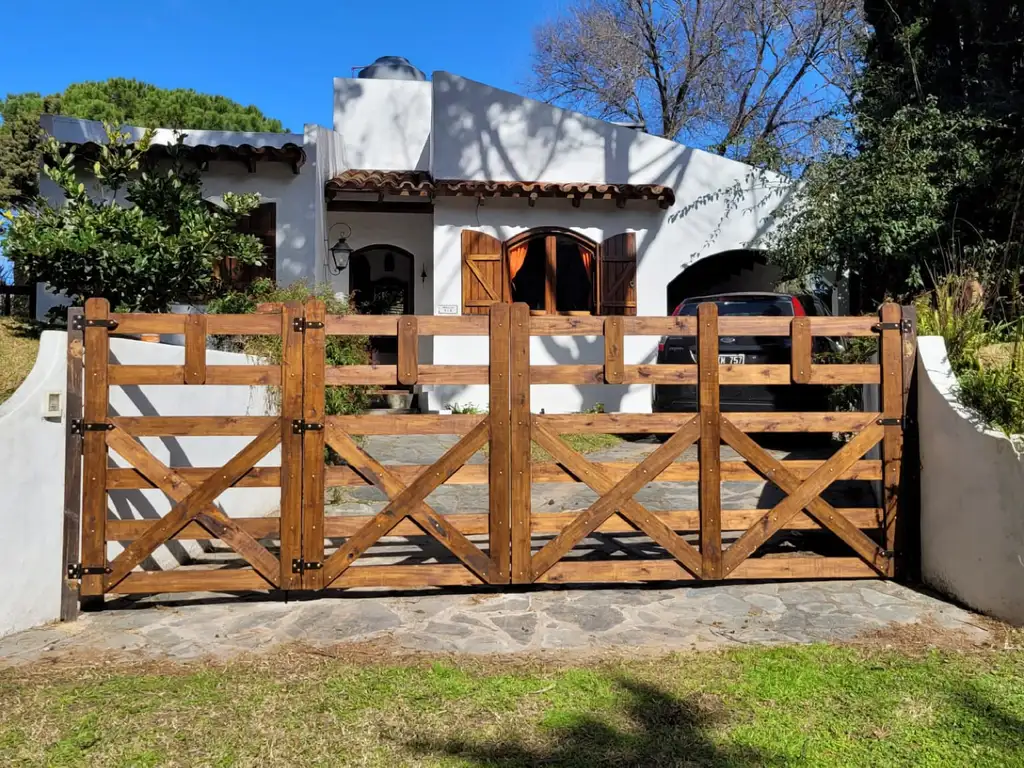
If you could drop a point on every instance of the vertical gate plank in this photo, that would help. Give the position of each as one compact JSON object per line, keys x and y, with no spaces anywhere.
{"x":72,"y":468}
{"x":313,"y":405}
{"x":801,"y":348}
{"x":892,"y":409}
{"x":519,"y":325}
{"x":291,"y":445}
{"x":710,"y":442}
{"x":195,"y":349}
{"x":613,"y":353}
{"x":499,"y":495}
{"x":408,"y":350}
{"x":94,"y":482}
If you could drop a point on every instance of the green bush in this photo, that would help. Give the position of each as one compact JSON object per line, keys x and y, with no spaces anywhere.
{"x":338,"y":350}
{"x":997,"y":394}
{"x":956,"y":311}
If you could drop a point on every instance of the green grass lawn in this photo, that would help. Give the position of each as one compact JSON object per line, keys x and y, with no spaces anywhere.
{"x":19,"y":345}
{"x":807,"y":706}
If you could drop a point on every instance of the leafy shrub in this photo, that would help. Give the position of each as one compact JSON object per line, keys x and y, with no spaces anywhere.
{"x":338,"y":350}
{"x":464,"y":408}
{"x":956,"y":310}
{"x":997,"y":394}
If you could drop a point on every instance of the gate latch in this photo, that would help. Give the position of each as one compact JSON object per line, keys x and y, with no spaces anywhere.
{"x":299,"y":426}
{"x":77,"y":570}
{"x":301,"y":324}
{"x":299,"y":565}
{"x":80,"y":427}
{"x":894,"y":421}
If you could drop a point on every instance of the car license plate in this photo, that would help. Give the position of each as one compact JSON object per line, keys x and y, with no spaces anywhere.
{"x":731,"y":359}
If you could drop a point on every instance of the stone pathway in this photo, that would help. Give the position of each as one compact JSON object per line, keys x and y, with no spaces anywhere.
{"x":641,"y":619}
{"x":557,"y":497}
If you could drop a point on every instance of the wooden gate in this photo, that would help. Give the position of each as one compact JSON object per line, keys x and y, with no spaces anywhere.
{"x":303,"y":548}
{"x":702,"y":543}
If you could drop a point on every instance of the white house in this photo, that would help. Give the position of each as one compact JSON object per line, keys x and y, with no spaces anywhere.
{"x":452,"y":195}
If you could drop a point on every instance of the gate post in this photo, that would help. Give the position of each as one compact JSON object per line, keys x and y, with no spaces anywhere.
{"x":521,"y":513}
{"x":72,"y":466}
{"x":313,"y":468}
{"x":94,"y":441}
{"x":710,"y":442}
{"x":500,"y":460}
{"x":291,"y":443}
{"x":891,"y":355}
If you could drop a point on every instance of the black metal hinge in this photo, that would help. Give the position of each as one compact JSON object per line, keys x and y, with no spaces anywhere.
{"x":79,"y":323}
{"x":300,"y":566}
{"x":79,"y":427}
{"x":77,"y":570}
{"x":299,"y":426}
{"x":902,"y":326}
{"x":300,"y":324}
{"x":892,"y":422}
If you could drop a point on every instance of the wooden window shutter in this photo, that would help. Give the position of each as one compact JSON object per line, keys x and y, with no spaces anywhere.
{"x":261,"y":222}
{"x":616,"y":279}
{"x":484,"y":272}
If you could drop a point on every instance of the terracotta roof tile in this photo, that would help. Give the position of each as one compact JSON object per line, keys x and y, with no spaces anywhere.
{"x":419,"y":183}
{"x":387,"y":182}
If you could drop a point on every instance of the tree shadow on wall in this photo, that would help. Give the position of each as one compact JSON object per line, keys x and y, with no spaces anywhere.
{"x":657,"y":728}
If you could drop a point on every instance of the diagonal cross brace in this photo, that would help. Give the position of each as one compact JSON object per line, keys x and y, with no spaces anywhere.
{"x":803,"y":494}
{"x":194,"y":503}
{"x":617,"y":497}
{"x":408,"y":501}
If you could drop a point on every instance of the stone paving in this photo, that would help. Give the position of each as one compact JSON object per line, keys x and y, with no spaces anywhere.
{"x":634,"y":618}
{"x":555,"y":497}
{"x":575,"y":621}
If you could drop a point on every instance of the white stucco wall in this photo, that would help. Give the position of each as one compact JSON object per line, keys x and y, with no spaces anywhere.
{"x":32,"y":478}
{"x":411,"y":232}
{"x":32,"y":495}
{"x":485,"y":133}
{"x":503,"y":219}
{"x":972,"y":488}
{"x":298,"y":196}
{"x":385,"y":123}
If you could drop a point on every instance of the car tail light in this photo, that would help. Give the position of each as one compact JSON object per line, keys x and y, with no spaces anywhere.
{"x":661,"y":345}
{"x":798,"y":308}
{"x":677,"y":310}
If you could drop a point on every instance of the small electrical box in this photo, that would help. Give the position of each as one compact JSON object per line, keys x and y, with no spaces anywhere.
{"x":53,"y":404}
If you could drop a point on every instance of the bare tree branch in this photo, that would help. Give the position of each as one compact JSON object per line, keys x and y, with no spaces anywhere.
{"x":744,"y":78}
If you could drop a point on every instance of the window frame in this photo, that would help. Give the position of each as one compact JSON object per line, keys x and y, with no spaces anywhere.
{"x":550,"y":235}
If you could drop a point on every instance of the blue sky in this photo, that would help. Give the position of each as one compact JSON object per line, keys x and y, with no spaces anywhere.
{"x":280,"y":56}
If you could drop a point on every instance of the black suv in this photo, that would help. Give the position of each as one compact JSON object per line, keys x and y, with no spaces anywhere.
{"x":745,"y":350}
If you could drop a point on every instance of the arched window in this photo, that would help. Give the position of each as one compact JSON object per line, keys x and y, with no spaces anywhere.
{"x":554,"y":271}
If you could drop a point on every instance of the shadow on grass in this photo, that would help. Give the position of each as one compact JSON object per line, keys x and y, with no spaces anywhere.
{"x":653,"y":728}
{"x":22,"y":328}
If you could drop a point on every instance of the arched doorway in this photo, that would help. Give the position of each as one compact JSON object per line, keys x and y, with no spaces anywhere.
{"x":553,"y":270}
{"x":381,"y":283}
{"x":725,"y":272}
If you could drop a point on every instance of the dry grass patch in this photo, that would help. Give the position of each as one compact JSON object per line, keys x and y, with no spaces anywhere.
{"x":19,"y":346}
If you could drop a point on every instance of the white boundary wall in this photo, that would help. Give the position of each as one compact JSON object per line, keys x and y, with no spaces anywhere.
{"x":32,"y":469}
{"x":972,"y":497}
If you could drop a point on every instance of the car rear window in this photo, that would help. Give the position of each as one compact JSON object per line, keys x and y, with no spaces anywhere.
{"x":766,"y":307}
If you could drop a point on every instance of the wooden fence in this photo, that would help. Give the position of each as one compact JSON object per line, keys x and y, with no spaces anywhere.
{"x":304,"y":549}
